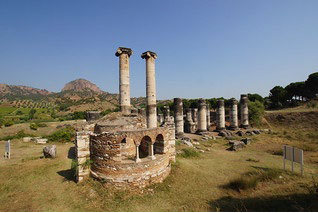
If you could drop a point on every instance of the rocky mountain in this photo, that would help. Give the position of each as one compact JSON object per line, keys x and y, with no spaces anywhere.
{"x":81,"y":85}
{"x":11,"y":90}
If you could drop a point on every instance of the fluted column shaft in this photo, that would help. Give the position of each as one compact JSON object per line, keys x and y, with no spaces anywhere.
{"x":151,"y":89}
{"x":233,"y":114}
{"x":208,"y":118}
{"x":124,"y":79}
{"x":178,"y":116}
{"x":244,"y":111}
{"x":202,"y":116}
{"x":220,"y":115}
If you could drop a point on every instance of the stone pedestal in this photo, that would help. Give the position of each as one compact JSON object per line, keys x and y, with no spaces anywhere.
{"x":244,"y":111}
{"x":220,"y":124}
{"x":233,"y":114}
{"x":124,"y":80}
{"x":150,"y":88}
{"x":178,"y":117}
{"x":202,"y":116}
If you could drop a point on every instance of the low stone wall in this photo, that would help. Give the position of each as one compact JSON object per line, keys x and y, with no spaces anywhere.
{"x":132,"y":174}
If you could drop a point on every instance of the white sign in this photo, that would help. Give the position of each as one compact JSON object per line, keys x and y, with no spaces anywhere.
{"x":7,"y":149}
{"x":293,"y":154}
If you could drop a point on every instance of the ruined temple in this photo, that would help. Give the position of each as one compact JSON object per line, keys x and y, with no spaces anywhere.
{"x":127,"y":149}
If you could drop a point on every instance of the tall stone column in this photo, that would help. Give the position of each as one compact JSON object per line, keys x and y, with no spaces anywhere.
{"x":166,"y":113}
{"x":160,"y":119}
{"x":244,"y":111}
{"x":124,"y":80}
{"x":137,"y":154}
{"x":189,"y":126}
{"x":195,"y":115}
{"x":208,"y":117}
{"x":150,"y":88}
{"x":202,"y":116}
{"x":233,"y":114}
{"x":178,"y":116}
{"x":151,"y":152}
{"x":220,"y":115}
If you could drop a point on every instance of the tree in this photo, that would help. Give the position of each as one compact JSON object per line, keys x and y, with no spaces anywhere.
{"x":256,"y":111}
{"x":312,"y":84}
{"x":31,"y":113}
{"x":278,"y":97}
{"x":254,"y":97}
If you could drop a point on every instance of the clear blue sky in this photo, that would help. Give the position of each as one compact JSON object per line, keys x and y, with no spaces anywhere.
{"x":206,"y":48}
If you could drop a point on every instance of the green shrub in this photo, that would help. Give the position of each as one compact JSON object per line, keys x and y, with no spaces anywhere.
{"x":33,"y":126}
{"x":41,"y":124}
{"x":243,"y":183}
{"x":251,"y":179}
{"x":19,"y":135}
{"x":256,"y":111}
{"x":189,"y":153}
{"x":8,"y":123}
{"x":62,"y":135}
{"x":78,"y":115}
{"x":19,"y":112}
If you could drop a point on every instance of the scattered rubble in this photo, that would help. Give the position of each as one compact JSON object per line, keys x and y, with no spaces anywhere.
{"x":38,"y":140}
{"x":49,"y":151}
{"x":236,"y":145}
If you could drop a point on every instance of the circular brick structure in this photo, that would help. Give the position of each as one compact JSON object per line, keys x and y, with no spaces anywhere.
{"x":124,"y":153}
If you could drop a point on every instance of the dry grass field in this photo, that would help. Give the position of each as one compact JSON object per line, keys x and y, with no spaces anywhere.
{"x":251,"y":179}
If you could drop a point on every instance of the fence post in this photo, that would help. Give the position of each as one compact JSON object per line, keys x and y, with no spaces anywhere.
{"x":293,"y":156}
{"x":284,"y":157}
{"x":302,"y":162}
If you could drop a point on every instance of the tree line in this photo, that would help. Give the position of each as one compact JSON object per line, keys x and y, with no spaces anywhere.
{"x":293,"y":94}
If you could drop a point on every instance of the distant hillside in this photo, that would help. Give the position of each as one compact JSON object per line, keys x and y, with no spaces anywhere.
{"x":77,"y":95}
{"x":81,"y":85}
{"x":7,"y":91}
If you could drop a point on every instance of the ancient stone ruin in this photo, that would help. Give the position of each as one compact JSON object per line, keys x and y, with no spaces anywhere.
{"x":127,"y":149}
{"x":198,"y":120}
{"x":134,"y":148}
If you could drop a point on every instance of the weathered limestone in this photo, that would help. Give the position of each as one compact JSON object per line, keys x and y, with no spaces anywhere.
{"x":208,"y":117}
{"x":189,"y":125}
{"x":233,"y":114}
{"x":244,"y":111}
{"x":195,"y":115}
{"x":142,"y":111}
{"x":124,"y":80}
{"x":82,"y":155}
{"x":151,"y":88}
{"x":49,"y":151}
{"x":202,"y":116}
{"x":220,"y":124}
{"x":166,"y":113}
{"x":178,"y":116}
{"x":160,"y":119}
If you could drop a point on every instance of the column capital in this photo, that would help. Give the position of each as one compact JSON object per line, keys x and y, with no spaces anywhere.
{"x":149,"y":54}
{"x":233,"y":101}
{"x":220,"y":103}
{"x":243,"y":96}
{"x":124,"y":50}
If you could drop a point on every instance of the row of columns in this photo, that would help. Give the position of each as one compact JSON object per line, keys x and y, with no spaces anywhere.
{"x":198,"y":120}
{"x":124,"y":84}
{"x":233,"y":113}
